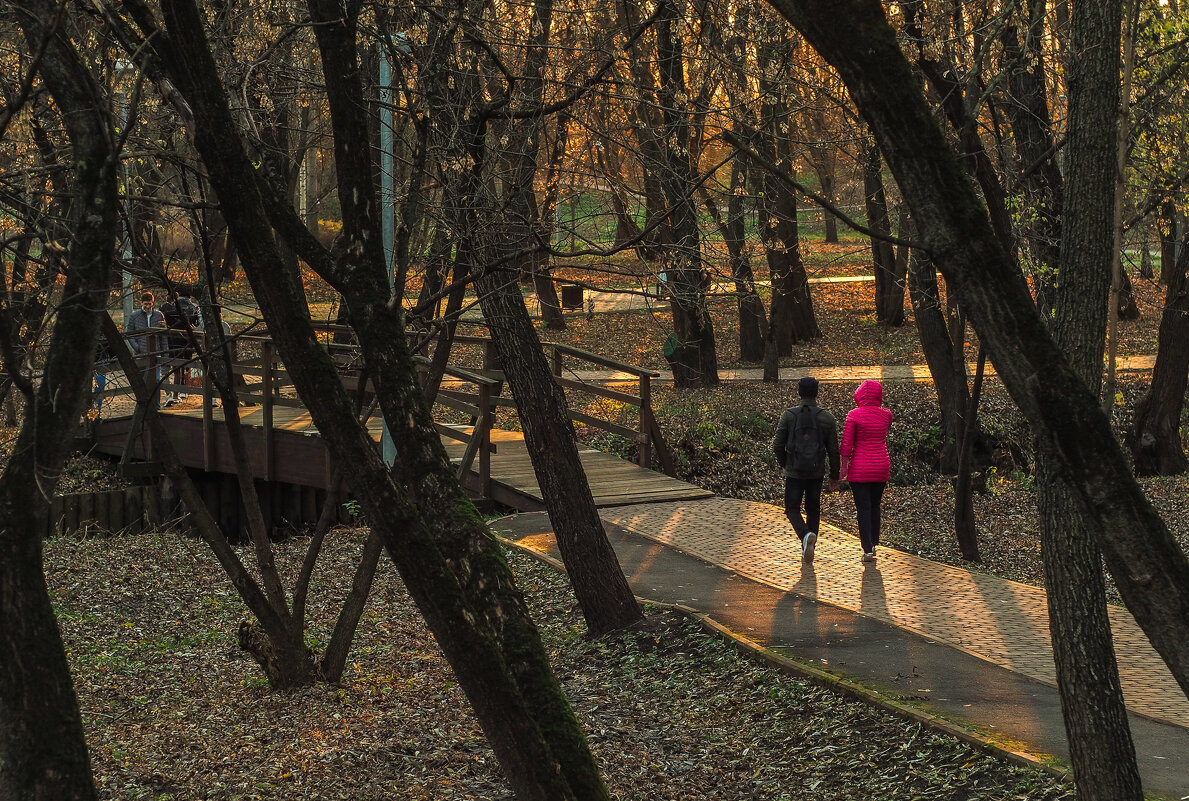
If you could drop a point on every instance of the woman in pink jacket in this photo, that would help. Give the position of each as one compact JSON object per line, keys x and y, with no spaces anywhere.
{"x":865,"y":462}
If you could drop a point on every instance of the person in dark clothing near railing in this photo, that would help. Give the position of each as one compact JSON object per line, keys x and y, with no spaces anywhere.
{"x":180,"y":316}
{"x":139,"y":326}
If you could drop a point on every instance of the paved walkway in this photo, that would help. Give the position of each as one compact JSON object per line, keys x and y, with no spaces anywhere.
{"x":853,"y":374}
{"x":966,"y":645}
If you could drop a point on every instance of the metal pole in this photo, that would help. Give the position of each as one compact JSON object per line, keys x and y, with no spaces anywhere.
{"x":387,"y":205}
{"x":122,"y":68}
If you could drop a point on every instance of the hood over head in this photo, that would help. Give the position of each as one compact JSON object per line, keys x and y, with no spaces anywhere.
{"x":869,"y":393}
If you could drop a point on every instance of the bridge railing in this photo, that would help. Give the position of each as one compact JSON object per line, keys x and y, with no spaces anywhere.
{"x":578,"y":370}
{"x":262,"y":380}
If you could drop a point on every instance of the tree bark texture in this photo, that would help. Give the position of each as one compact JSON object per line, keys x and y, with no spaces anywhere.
{"x":1156,"y":432}
{"x":695,"y":362}
{"x":599,"y":583}
{"x":948,"y":370}
{"x":791,"y":317}
{"x":1101,"y":749}
{"x":447,"y":558}
{"x":43,"y":754}
{"x":1148,"y":566}
{"x":883,"y":255}
{"x":965,"y":524}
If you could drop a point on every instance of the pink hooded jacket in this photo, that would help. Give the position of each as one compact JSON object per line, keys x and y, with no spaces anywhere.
{"x":864,"y":445}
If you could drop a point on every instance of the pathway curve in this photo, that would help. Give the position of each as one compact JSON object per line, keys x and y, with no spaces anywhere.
{"x":1003,"y":622}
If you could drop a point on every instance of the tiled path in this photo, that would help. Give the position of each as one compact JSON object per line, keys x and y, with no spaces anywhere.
{"x":1003,"y":622}
{"x":852,"y":374}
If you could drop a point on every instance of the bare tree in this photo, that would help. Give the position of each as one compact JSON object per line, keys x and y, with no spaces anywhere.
{"x":42,"y":750}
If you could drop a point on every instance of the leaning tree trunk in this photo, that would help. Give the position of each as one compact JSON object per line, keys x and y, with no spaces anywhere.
{"x":599,"y":583}
{"x":1149,"y":567}
{"x":1156,"y":433}
{"x":43,"y":753}
{"x":447,"y":557}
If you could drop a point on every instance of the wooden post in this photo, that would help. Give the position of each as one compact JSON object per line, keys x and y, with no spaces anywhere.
{"x":556,"y":363}
{"x":485,"y":440}
{"x":208,"y":423}
{"x":490,"y":357}
{"x":266,"y":354}
{"x":56,"y":512}
{"x":644,"y":455}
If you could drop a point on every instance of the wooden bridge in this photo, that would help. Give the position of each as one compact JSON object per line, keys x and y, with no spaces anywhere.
{"x":292,"y":464}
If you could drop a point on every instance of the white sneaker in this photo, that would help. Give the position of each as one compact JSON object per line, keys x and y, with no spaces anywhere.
{"x":869,"y":556}
{"x":807,"y":546}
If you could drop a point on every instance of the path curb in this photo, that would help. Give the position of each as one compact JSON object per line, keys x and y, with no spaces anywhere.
{"x":844,"y":686}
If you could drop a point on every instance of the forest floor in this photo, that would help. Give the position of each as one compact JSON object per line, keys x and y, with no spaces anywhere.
{"x":174,"y":710}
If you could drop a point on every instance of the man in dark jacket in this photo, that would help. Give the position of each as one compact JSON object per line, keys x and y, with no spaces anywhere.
{"x":800,"y":483}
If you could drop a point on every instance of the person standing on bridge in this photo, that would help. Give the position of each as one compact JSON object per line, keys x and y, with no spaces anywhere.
{"x":805,"y":437}
{"x":138,"y":327}
{"x":866,"y":465}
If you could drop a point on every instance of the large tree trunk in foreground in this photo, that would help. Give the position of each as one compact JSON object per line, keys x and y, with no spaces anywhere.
{"x":43,"y":755}
{"x":447,"y":558}
{"x":1149,"y":568}
{"x":1101,"y":749}
{"x":1156,"y":432}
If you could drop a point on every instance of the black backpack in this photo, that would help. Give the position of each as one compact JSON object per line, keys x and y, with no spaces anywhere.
{"x":806,"y":446}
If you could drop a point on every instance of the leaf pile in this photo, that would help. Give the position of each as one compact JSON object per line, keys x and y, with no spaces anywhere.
{"x":174,"y":710}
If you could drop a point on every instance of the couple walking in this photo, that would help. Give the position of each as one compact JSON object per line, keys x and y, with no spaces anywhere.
{"x":807,"y":436}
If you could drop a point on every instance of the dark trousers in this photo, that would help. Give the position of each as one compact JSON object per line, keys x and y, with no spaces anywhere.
{"x":809,"y":489}
{"x":868,"y":495}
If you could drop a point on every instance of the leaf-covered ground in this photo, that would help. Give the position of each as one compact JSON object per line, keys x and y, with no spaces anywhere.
{"x":722,"y":437}
{"x":174,"y":710}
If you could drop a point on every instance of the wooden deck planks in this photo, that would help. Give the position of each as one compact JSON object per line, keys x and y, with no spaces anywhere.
{"x":301,"y":459}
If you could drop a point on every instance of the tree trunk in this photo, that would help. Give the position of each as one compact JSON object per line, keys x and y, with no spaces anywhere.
{"x":791,"y":313}
{"x":965,"y":526}
{"x":827,"y":181}
{"x":752,"y":319}
{"x":1156,"y":432}
{"x":447,"y":557}
{"x":883,"y":257}
{"x":948,"y":371}
{"x":1149,"y":568}
{"x":1127,"y":310}
{"x":695,"y":362}
{"x":603,"y":592}
{"x":1101,"y":749}
{"x":43,"y":753}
